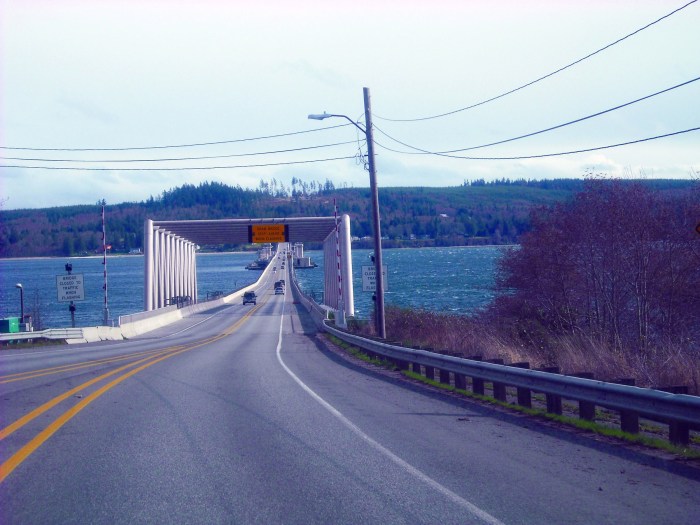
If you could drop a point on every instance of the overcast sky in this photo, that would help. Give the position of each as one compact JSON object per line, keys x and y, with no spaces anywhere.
{"x":136,"y":74}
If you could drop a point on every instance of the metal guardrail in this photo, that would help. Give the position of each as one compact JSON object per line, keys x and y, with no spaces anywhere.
{"x":681,"y":412}
{"x":52,"y":333}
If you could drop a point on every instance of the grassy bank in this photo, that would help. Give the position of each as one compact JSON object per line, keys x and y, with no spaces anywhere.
{"x":658,"y":368}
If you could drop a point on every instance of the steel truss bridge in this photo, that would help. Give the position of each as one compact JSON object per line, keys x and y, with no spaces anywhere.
{"x":171,"y":265}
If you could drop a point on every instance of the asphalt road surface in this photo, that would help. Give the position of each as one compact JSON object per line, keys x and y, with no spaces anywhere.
{"x":242,"y":415}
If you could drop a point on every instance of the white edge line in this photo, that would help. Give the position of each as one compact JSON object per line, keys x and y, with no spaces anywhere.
{"x":473,"y":509}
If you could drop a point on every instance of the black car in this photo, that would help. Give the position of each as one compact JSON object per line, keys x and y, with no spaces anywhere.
{"x":250,"y":297}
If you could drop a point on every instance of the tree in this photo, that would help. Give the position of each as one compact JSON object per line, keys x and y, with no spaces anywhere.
{"x":67,"y":246}
{"x":619,"y":261}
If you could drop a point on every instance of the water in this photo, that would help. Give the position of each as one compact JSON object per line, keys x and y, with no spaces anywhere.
{"x":452,"y":279}
{"x":215,"y":272}
{"x":455,"y":280}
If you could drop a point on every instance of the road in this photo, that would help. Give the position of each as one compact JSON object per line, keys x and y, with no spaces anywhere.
{"x":242,"y":415}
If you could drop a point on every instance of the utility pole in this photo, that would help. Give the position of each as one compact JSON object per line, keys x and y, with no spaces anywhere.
{"x":379,"y":278}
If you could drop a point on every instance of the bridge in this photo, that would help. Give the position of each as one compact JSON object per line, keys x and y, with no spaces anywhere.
{"x":170,"y":267}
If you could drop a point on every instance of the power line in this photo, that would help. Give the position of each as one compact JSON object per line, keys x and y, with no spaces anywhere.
{"x":542,"y":77}
{"x":250,"y":139}
{"x":420,"y":151}
{"x":184,"y":158}
{"x":561,"y":153}
{"x":178,"y":169}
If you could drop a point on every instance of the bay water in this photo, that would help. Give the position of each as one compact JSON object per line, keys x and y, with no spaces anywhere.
{"x":451,"y":279}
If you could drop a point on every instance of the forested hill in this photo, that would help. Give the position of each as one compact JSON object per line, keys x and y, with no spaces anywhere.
{"x":474,"y":213}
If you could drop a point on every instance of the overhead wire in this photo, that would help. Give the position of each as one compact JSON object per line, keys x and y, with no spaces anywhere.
{"x":309,"y":161}
{"x":183,"y":158}
{"x":558,"y":154}
{"x":563,"y":68}
{"x":219,"y":142}
{"x":421,"y":151}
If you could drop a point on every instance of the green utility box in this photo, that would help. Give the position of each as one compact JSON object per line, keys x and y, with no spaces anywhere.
{"x":9,"y":325}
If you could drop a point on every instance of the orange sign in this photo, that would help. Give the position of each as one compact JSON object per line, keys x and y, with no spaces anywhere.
{"x":264,"y":233}
{"x":697,"y":228}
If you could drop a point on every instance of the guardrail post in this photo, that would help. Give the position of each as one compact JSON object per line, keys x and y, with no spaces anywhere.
{"x":586,"y":409}
{"x":445,"y":377}
{"x":499,"y":389}
{"x":444,"y":374}
{"x":553,"y":401}
{"x":429,"y":370}
{"x":416,"y":368}
{"x":524,"y":394}
{"x":477,"y":383}
{"x":678,"y":431}
{"x":629,"y":420}
{"x":460,"y":379}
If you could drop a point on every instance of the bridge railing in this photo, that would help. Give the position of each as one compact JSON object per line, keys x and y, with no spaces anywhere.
{"x":319,"y":313}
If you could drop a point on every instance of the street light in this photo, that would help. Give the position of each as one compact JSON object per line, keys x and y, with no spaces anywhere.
{"x":381,"y":327}
{"x":21,"y":300}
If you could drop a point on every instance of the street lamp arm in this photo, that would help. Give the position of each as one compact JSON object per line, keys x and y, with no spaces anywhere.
{"x":325,"y":115}
{"x":379,"y":279}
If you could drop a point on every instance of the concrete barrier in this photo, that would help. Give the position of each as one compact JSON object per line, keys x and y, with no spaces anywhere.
{"x":133,"y":325}
{"x":142,"y":322}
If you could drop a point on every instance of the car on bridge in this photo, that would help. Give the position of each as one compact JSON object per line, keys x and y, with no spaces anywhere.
{"x":250,"y":297}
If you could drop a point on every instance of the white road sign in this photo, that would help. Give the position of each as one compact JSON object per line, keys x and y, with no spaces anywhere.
{"x":70,"y":287}
{"x":369,"y":279}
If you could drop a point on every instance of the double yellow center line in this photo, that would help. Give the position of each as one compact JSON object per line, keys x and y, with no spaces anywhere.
{"x":128,"y":370}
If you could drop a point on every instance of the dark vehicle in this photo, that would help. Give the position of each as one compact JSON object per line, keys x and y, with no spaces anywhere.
{"x":250,"y":297}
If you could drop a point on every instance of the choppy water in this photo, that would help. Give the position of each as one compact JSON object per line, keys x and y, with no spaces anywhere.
{"x":215,"y":272}
{"x":457,"y":279}
{"x":452,"y":279}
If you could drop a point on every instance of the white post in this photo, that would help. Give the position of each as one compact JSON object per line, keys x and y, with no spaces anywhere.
{"x":194,"y":272}
{"x":148,"y":265}
{"x":167,"y":254}
{"x":340,"y":308}
{"x":160,"y":260}
{"x":178,"y":266}
{"x":346,"y":265}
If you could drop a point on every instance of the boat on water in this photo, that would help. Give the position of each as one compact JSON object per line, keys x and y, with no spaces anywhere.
{"x":264,"y":258}
{"x":257,"y":265}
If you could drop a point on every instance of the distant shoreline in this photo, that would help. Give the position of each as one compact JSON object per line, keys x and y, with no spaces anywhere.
{"x":123,"y":255}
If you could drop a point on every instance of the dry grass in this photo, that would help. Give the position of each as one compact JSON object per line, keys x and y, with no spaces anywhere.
{"x":662,"y":367}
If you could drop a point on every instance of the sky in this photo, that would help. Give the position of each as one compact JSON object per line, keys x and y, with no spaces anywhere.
{"x":130,"y":77}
